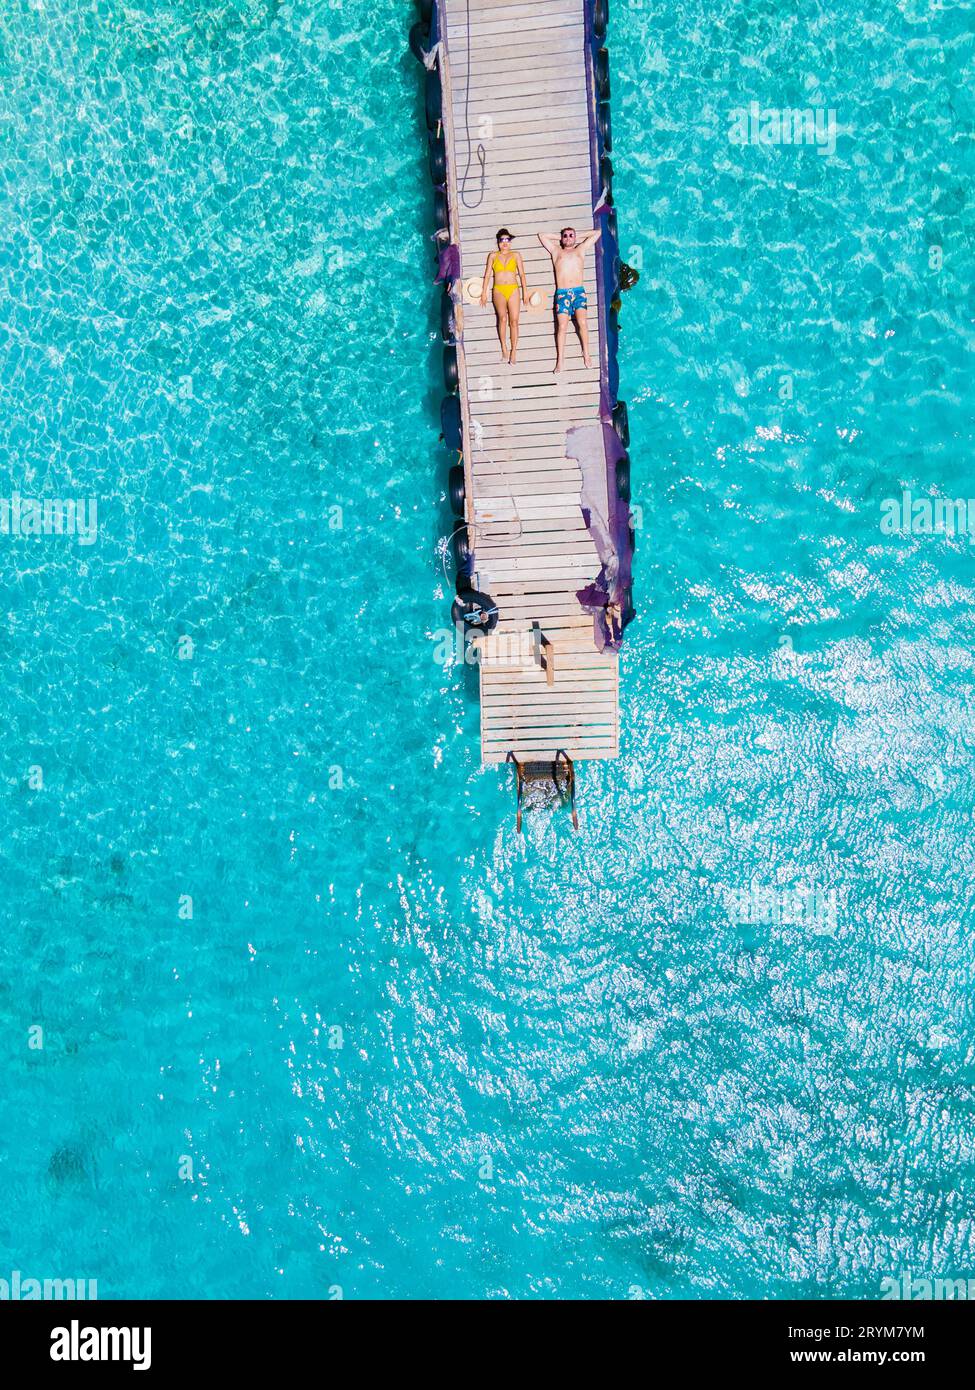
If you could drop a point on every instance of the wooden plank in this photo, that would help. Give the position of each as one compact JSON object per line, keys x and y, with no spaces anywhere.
{"x":526,"y":375}
{"x":499,"y":125}
{"x":564,"y":736}
{"x":552,"y":622}
{"x":516,"y":648}
{"x":507,"y":460}
{"x":546,"y":751}
{"x":495,"y":493}
{"x":524,"y":10}
{"x":545,"y":26}
{"x":536,"y":332}
{"x":455,"y":8}
{"x":489,"y":53}
{"x":508,"y":158}
{"x":528,"y":430}
{"x":527,"y":521}
{"x":549,"y":706}
{"x":554,"y":405}
{"x":532,"y":506}
{"x":546,"y":216}
{"x":499,"y":756}
{"x":500,"y":542}
{"x":555,"y":713}
{"x":598,"y":674}
{"x":559,"y":64}
{"x":525,"y":608}
{"x":532,"y":503}
{"x":497,"y":120}
{"x":495,"y":684}
{"x":574,"y":546}
{"x":549,"y":709}
{"x":535,"y":133}
{"x":531,"y":350}
{"x":602,"y":729}
{"x":548,"y":80}
{"x":536,"y":258}
{"x":500,"y":702}
{"x":495,"y":416}
{"x":552,"y":394}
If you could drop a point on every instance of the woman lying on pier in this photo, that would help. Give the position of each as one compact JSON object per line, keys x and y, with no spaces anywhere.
{"x":508,"y":268}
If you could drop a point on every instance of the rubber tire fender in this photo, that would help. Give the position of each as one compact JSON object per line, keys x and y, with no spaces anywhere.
{"x":438,"y":160}
{"x":614,"y":278}
{"x":451,"y":422}
{"x":448,"y":317}
{"x":456,"y":489}
{"x":621,"y":423}
{"x":419,"y":37}
{"x":604,"y":122}
{"x":463,"y":604}
{"x":613,"y":372}
{"x":461,"y":546}
{"x":433,"y":98}
{"x":451,"y":378}
{"x":602,"y":73}
{"x":623,"y":478}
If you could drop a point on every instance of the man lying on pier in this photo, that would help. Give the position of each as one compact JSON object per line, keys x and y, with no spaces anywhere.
{"x":568,"y":253}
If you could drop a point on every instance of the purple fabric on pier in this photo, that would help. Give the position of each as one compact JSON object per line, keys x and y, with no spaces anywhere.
{"x":449,"y":263}
{"x":596,"y":448}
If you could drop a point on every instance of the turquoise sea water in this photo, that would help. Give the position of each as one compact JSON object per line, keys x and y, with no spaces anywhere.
{"x":405,"y":1054}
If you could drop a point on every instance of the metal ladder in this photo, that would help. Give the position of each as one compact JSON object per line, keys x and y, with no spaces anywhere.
{"x":526,"y":772}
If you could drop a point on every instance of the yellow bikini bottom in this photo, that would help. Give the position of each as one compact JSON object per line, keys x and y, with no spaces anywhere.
{"x":506,"y":290}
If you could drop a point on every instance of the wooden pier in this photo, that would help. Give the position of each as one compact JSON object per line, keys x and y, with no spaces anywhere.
{"x":514,"y":75}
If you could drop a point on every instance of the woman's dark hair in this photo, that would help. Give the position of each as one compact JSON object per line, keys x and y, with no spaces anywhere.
{"x":503,"y":231}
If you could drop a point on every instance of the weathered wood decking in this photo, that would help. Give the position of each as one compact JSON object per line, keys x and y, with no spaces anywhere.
{"x":522,"y":91}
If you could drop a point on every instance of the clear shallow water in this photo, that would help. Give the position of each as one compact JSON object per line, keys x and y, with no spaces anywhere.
{"x":564,"y":1070}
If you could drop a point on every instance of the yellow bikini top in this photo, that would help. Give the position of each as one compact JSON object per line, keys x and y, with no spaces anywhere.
{"x":512,"y":264}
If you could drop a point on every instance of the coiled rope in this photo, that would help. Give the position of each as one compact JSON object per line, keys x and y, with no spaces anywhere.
{"x":481,"y":151}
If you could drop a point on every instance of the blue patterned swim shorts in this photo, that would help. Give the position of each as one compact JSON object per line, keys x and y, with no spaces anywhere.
{"x":568,"y":301}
